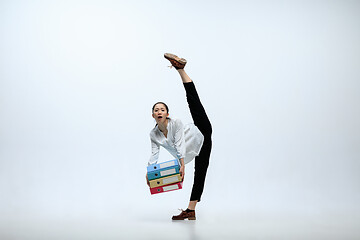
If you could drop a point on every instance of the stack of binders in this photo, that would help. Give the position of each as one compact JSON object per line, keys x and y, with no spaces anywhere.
{"x":164,"y":177}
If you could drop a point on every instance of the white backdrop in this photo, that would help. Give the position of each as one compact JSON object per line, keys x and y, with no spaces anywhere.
{"x":279,"y":80}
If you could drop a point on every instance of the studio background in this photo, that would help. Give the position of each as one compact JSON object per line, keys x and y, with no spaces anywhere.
{"x":279,"y":81}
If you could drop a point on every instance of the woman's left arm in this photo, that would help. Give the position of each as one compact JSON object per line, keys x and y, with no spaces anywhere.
{"x":182,"y":169}
{"x":179,"y":142}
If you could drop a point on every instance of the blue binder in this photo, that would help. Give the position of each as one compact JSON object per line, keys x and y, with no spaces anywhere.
{"x":163,"y":169}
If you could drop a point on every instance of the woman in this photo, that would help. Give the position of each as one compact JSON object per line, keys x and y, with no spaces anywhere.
{"x":184,"y":142}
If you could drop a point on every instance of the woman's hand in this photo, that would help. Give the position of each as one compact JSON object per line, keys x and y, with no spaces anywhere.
{"x":182,"y":169}
{"x":182,"y":172}
{"x":147,"y":180}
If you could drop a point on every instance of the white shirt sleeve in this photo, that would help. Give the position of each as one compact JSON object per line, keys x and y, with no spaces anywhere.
{"x":155,"y":149}
{"x":179,"y":139}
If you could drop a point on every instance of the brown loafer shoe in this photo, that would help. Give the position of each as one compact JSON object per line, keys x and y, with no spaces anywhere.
{"x":176,"y":62}
{"x":183,"y":215}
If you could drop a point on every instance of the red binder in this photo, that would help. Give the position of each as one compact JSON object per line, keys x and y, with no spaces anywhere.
{"x":166,"y":188}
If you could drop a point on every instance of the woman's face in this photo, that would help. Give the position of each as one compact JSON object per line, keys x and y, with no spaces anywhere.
{"x":160,"y":113}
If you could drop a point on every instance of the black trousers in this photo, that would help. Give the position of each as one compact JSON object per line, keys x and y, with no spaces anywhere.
{"x":201,"y":120}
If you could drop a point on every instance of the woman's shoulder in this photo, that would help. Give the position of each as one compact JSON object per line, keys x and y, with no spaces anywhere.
{"x":154,"y":130}
{"x":176,"y":121}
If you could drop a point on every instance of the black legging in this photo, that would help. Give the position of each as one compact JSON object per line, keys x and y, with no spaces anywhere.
{"x":201,"y":120}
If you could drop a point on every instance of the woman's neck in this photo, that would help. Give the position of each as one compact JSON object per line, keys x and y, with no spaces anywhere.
{"x":163,"y":126}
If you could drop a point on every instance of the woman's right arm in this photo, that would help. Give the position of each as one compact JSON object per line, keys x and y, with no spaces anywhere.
{"x":155,"y":149}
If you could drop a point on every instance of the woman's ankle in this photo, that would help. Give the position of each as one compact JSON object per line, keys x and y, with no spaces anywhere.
{"x":184,"y":77}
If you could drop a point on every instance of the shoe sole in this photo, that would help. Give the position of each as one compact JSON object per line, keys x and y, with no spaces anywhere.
{"x":171,"y":56}
{"x":190,"y":218}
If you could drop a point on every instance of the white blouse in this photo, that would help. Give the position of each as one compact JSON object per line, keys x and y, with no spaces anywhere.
{"x":183,"y":141}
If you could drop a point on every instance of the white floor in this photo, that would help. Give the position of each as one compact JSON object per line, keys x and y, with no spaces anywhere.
{"x":205,"y":227}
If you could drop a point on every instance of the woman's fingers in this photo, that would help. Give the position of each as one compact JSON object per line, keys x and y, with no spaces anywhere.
{"x":147,"y":180}
{"x":182,"y":173}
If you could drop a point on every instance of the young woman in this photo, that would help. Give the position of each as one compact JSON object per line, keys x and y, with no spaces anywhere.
{"x":185,"y":142}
